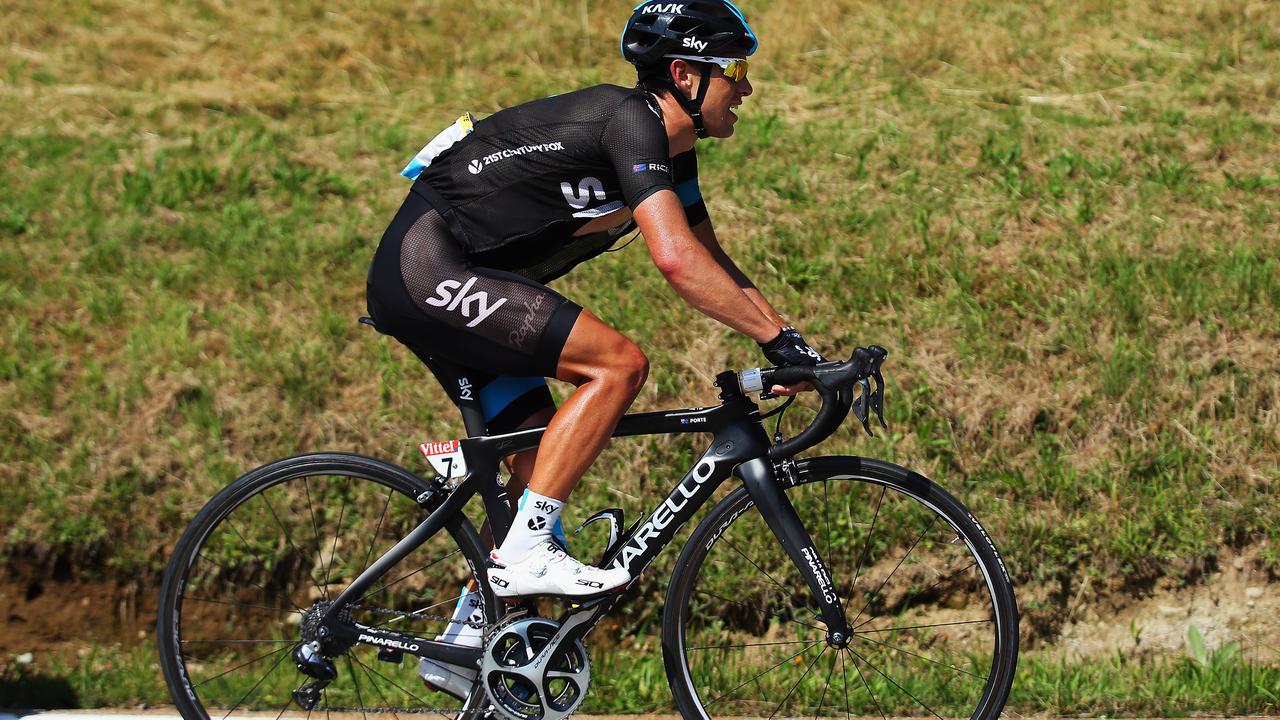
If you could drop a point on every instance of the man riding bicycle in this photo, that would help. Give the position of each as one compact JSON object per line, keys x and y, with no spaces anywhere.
{"x":503,"y":205}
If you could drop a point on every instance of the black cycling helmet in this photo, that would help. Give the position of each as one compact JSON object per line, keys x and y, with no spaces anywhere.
{"x":694,"y":27}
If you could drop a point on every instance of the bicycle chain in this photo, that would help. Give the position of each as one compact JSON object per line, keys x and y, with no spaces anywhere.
{"x":447,"y":712}
{"x":418,"y":616}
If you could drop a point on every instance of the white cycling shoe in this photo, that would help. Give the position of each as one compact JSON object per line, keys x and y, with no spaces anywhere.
{"x":452,"y":679}
{"x":549,"y":570}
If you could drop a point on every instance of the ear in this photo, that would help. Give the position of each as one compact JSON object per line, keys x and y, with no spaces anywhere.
{"x":685,"y":76}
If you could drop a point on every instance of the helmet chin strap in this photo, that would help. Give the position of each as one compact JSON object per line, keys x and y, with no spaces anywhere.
{"x":694,"y":106}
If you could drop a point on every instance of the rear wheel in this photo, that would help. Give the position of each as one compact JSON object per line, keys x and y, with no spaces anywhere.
{"x":933,"y":615}
{"x":278,"y":544}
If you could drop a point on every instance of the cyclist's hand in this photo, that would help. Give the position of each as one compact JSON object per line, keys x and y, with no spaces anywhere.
{"x":789,"y":349}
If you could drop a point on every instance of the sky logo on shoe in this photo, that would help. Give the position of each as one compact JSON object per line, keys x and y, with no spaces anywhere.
{"x":477,"y":302}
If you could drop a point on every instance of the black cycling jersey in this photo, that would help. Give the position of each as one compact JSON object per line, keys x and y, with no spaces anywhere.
{"x":459,"y":275}
{"x":519,"y":186}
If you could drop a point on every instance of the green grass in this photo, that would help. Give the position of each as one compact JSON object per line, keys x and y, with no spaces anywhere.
{"x":1059,"y":218}
{"x":1223,"y":682}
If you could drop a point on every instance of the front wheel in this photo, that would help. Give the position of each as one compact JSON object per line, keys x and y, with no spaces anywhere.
{"x":934,"y":621}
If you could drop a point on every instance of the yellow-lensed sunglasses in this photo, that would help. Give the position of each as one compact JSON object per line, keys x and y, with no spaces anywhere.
{"x":734,"y":68}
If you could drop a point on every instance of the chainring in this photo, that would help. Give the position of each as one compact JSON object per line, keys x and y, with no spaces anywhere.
{"x":521,"y":684}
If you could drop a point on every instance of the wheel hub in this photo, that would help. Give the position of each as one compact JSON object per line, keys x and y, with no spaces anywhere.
{"x":525,"y":678}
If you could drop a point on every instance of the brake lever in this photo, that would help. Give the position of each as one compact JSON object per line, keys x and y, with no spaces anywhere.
{"x":877,"y":398}
{"x":862,"y":402}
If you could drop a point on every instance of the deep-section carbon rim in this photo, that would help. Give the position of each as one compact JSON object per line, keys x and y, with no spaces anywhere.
{"x":932,"y":610}
{"x":281,"y":541}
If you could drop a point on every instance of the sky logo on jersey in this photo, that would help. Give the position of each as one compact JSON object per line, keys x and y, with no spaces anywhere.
{"x":464,"y":301}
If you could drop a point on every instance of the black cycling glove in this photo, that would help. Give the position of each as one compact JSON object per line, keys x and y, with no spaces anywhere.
{"x":790,"y":349}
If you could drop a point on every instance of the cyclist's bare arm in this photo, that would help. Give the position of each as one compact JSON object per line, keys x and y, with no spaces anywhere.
{"x":693,"y":268}
{"x":706,"y":235}
{"x":694,"y":271}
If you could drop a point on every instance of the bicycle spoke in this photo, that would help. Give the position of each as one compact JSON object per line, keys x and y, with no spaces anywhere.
{"x":884,"y":582}
{"x":256,"y":685}
{"x":315,"y":527}
{"x":762,"y":611}
{"x":948,"y":576}
{"x":373,"y":539}
{"x":895,"y":684}
{"x":395,"y":684}
{"x":792,"y":691}
{"x":866,"y":546}
{"x":237,"y":642}
{"x":355,"y":680}
{"x":917,"y":627}
{"x":871,"y":693}
{"x":224,"y":568}
{"x":826,"y":685}
{"x":734,"y":547}
{"x":242,"y":665}
{"x":369,"y":673}
{"x":333,"y":552}
{"x":287,"y":703}
{"x":747,"y":645}
{"x":406,"y":577}
{"x":295,"y":611}
{"x":922,"y":657}
{"x":844,"y":676}
{"x":255,"y":556}
{"x":288,"y":538}
{"x":763,"y":672}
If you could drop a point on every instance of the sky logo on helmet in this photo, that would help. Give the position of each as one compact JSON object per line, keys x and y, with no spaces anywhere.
{"x":694,"y":43}
{"x":674,"y":8}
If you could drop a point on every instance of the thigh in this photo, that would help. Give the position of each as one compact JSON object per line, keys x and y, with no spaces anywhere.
{"x":423,"y":291}
{"x":490,"y":404}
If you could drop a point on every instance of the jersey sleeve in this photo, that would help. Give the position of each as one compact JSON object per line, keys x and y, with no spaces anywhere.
{"x":684,"y":172}
{"x":636,"y":143}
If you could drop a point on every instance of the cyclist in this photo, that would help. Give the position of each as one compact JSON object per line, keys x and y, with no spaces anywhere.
{"x":501,"y":206}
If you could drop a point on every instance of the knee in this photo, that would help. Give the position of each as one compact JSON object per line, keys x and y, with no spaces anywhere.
{"x":629,"y":367}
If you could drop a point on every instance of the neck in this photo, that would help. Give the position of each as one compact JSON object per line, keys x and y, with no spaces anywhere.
{"x":680,"y":131}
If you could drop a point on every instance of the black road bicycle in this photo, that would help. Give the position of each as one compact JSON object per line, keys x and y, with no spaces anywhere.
{"x":823,"y":586}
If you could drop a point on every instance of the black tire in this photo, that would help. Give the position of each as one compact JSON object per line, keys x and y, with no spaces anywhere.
{"x":277,"y":541}
{"x":933,"y":612}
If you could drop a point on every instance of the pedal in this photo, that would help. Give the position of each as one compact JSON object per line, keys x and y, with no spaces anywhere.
{"x":390,"y":655}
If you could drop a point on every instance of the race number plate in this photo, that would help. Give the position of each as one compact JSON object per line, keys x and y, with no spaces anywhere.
{"x":445,"y":457}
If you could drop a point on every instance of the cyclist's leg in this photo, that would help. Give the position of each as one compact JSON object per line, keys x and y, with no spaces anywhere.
{"x":608,"y":370}
{"x":424,"y":291}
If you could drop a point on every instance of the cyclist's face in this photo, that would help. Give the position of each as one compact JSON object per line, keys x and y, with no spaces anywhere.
{"x":723,"y":95}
